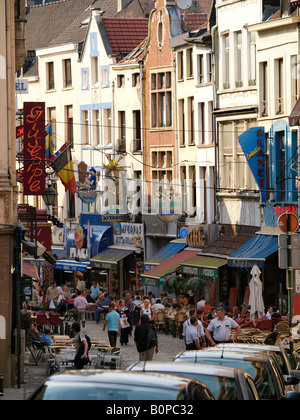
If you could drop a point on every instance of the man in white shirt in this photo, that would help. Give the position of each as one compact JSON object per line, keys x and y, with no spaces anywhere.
{"x":201,"y":303}
{"x":157,"y":305}
{"x":80,"y":305}
{"x":219,"y":329}
{"x":199,"y":327}
{"x":192,"y":341}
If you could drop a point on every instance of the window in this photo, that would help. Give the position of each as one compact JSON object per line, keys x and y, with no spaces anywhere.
{"x":294,"y":79}
{"x":94,"y":70}
{"x":201,"y":122}
{"x":120,"y":81}
{"x":67,"y":71}
{"x":252,"y":59}
{"x":85,"y":79}
{"x":226,"y":62}
{"x":161,"y":100}
{"x":50,"y":76}
{"x":96,"y":127}
{"x":181,"y":116}
{"x":265,"y":88}
{"x":160,"y":34}
{"x":136,"y":80}
{"x":137,"y":145}
{"x":107,"y":126}
{"x":70,"y":127}
{"x":209,"y":68}
{"x":121,"y":144}
{"x":279,"y":86}
{"x":200,"y":69}
{"x":238,"y":60}
{"x":189,"y":63}
{"x":52,"y":121}
{"x":191,"y":115}
{"x":180,"y":65}
{"x":85,"y":127}
{"x":105,"y":78}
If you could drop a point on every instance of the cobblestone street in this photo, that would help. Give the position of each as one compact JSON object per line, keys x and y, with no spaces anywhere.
{"x":35,"y":375}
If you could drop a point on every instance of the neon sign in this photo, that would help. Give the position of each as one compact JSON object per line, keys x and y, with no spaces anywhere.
{"x":34,"y":148}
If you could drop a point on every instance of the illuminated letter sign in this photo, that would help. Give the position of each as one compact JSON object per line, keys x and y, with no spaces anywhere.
{"x":34,"y":148}
{"x":253,"y":144}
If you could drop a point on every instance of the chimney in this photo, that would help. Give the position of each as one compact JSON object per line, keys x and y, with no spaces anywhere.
{"x":122,"y":4}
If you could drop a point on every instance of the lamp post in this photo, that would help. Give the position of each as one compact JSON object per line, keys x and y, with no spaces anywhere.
{"x":49,"y":196}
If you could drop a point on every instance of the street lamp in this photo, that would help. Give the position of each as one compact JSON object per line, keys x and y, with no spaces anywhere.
{"x":49,"y":196}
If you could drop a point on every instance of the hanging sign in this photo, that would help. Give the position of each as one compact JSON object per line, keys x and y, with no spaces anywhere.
{"x":253,"y":145}
{"x":34,"y":148}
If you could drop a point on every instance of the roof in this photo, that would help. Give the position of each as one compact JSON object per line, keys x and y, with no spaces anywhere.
{"x":226,"y":244}
{"x":137,"y":9}
{"x":124,"y":35}
{"x":136,"y":55}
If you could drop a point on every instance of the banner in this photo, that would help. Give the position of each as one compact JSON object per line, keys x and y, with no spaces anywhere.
{"x":34,"y":148}
{"x":253,"y":145}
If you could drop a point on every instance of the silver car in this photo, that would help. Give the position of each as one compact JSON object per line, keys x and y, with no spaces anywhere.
{"x":225,"y":383}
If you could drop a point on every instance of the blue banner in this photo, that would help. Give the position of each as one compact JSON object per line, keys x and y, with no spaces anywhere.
{"x":253,"y":145}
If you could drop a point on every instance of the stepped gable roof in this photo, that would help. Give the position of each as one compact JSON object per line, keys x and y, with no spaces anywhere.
{"x":124,"y":35}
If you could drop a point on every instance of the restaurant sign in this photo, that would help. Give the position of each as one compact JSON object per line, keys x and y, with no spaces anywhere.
{"x":198,"y":271}
{"x":34,"y":148}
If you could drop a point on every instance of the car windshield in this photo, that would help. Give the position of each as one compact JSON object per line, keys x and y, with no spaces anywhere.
{"x":93,"y":391}
{"x":259,"y":371}
{"x":221,"y":388}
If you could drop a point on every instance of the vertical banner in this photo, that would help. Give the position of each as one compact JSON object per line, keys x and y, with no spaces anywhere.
{"x":34,"y":148}
{"x":253,"y":145}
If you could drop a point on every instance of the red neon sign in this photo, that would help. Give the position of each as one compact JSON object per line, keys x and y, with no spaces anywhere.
{"x":34,"y":148}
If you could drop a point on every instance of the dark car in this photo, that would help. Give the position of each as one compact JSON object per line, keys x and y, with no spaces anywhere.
{"x":119,"y":385}
{"x":224,"y":382}
{"x":262,"y":367}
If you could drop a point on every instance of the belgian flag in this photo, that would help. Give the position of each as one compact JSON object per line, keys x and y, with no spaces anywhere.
{"x":62,"y":164}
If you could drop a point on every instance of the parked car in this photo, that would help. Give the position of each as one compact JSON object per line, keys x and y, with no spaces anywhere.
{"x":262,"y":367}
{"x":279,"y":352}
{"x":119,"y":385}
{"x":224,"y":382}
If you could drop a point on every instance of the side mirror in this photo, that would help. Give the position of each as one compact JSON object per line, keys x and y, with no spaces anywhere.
{"x":291,"y":380}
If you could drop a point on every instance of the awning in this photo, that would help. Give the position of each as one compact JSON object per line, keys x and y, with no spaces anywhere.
{"x":254,"y":251}
{"x":72,"y":265}
{"x":164,"y":254}
{"x":294,"y":118}
{"x":110,"y":258}
{"x":153,"y":277}
{"x":203,"y":266}
{"x":29,"y":270}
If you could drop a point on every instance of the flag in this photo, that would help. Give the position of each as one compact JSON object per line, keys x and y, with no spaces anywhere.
{"x":62,"y":164}
{"x":49,"y":142}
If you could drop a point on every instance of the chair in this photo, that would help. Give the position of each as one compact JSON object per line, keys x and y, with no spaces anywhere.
{"x":159,"y":320}
{"x":54,"y":320}
{"x":265,"y":325}
{"x":90,"y":311}
{"x":36,"y":350}
{"x":41,"y":320}
{"x":111,"y":359}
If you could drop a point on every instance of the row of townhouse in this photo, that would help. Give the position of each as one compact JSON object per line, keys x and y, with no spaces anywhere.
{"x":168,"y":107}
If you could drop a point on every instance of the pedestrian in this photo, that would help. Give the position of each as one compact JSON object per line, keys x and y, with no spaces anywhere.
{"x":113,"y":323}
{"x":80,"y":305}
{"x":81,"y":347}
{"x":220,"y":328}
{"x":95,"y":290}
{"x":123,"y":311}
{"x":147,"y":310}
{"x":192,"y":341}
{"x":52,"y":296}
{"x":199,"y":327}
{"x":145,"y":338}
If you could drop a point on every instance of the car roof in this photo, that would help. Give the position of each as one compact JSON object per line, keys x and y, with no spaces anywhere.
{"x":222,"y":354}
{"x":120,"y":377}
{"x":179,"y":367}
{"x":266,"y":347}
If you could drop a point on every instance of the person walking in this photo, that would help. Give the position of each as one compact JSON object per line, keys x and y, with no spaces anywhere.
{"x":123,"y":311}
{"x":220,"y":328}
{"x":81,"y":347}
{"x":145,"y":338}
{"x":147,"y":310}
{"x":113,"y":324}
{"x":192,"y":340}
{"x":80,"y":305}
{"x":199,"y":328}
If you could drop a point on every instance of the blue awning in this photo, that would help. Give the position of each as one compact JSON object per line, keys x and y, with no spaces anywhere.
{"x":71,"y":265}
{"x":254,"y":251}
{"x":164,"y":254}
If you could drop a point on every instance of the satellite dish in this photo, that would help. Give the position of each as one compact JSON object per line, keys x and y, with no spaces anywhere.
{"x":184,"y":4}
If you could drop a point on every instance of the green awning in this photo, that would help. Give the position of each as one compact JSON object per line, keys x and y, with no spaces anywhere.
{"x":110,"y":258}
{"x":203,"y":266}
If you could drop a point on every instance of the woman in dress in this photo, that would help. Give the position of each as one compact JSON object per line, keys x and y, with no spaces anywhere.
{"x":123,"y":311}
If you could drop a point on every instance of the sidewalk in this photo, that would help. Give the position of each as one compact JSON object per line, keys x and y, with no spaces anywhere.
{"x":36,"y":375}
